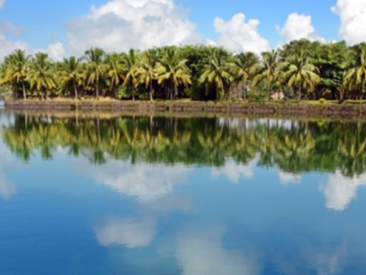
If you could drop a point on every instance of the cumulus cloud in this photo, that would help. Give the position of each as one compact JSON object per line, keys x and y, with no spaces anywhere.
{"x":238,"y":35}
{"x":7,"y":190}
{"x":8,"y":46}
{"x":55,"y":51}
{"x":120,"y":25}
{"x":2,"y":2}
{"x":234,"y":171}
{"x":203,"y":253}
{"x":144,"y":181}
{"x":298,"y":26}
{"x":352,"y":14}
{"x":339,"y":191}
{"x":128,"y":232}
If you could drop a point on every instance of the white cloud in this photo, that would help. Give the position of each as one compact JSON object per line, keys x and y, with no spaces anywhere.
{"x":55,"y":51}
{"x":339,"y":191}
{"x":203,"y":253}
{"x":234,"y":171}
{"x":128,"y":232}
{"x":288,"y":178}
{"x":120,"y":25}
{"x":8,"y":46}
{"x":298,"y":26}
{"x":238,"y":35}
{"x":144,"y":181}
{"x":352,"y":14}
{"x":7,"y":190}
{"x":2,"y":2}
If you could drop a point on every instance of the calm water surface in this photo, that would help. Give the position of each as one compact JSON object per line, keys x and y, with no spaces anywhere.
{"x":181,"y":196}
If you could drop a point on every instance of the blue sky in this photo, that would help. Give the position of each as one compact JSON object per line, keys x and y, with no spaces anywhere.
{"x":62,"y":28}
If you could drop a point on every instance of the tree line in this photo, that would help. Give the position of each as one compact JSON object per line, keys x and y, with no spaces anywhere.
{"x":292,"y":146}
{"x":301,"y":69}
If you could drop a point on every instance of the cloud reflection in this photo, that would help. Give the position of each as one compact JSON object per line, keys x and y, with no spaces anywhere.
{"x":203,"y":253}
{"x":144,"y":181}
{"x":129,"y":232}
{"x":234,"y":171}
{"x":288,"y":178}
{"x":339,"y":191}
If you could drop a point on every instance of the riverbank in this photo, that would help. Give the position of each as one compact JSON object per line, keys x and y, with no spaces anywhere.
{"x":304,"y":108}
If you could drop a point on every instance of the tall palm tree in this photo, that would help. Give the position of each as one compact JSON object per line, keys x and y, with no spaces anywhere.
{"x":268,"y":72}
{"x":130,"y":66}
{"x":114,"y":71}
{"x":216,"y":72}
{"x":17,"y":65}
{"x":300,"y":73}
{"x":147,"y":71}
{"x":70,"y":71}
{"x":95,"y":67}
{"x":173,"y":71}
{"x":41,"y":74}
{"x":243,"y":67}
{"x":356,"y":75}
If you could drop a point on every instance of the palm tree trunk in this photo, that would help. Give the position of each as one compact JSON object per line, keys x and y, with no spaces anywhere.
{"x":175,"y":91}
{"x":151,"y":91}
{"x":97,"y":91}
{"x":75,"y":91}
{"x":299,"y":93}
{"x":24,"y":93}
{"x":133,"y":93}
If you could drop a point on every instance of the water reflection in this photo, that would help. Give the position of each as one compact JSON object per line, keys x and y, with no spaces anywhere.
{"x":149,"y":202}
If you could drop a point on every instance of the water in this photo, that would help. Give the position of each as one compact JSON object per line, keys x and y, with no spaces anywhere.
{"x":181,"y":196}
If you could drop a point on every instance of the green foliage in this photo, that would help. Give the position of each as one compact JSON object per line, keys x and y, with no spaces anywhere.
{"x":322,"y":100}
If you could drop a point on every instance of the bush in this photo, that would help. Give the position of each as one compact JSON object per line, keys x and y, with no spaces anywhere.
{"x":322,"y":100}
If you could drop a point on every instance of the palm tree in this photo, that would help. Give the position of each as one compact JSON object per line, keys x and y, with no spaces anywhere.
{"x":173,"y":71}
{"x":300,"y":73}
{"x":147,"y":71}
{"x":114,"y":71}
{"x":130,"y":65}
{"x":70,"y":71}
{"x":243,"y":67}
{"x":95,"y":67}
{"x":16,"y":69}
{"x":216,"y":73}
{"x":268,"y":72}
{"x":41,"y":74}
{"x":356,"y":75}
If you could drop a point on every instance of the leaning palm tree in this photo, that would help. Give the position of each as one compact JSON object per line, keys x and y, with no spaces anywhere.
{"x":300,"y":73}
{"x":70,"y":73}
{"x":268,"y":72}
{"x":16,"y":69}
{"x":216,"y":73}
{"x":172,"y":71}
{"x":242,"y":67}
{"x":130,"y":64}
{"x":355,"y":77}
{"x":95,"y":67}
{"x":42,"y":75}
{"x":147,"y":71}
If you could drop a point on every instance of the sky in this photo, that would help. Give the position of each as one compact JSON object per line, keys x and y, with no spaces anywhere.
{"x":63,"y":28}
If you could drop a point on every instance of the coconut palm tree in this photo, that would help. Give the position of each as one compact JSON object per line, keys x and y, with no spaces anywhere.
{"x":130,"y":66}
{"x":41,"y":74}
{"x":114,"y":71}
{"x":300,"y":73}
{"x":70,"y":73}
{"x":16,"y":67}
{"x":172,"y":71}
{"x":216,"y":72}
{"x":147,"y":71}
{"x":356,"y":75}
{"x":95,"y":67}
{"x":243,"y":67}
{"x":268,"y":72}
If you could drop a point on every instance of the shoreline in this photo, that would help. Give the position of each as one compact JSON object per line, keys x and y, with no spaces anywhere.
{"x":282,"y":108}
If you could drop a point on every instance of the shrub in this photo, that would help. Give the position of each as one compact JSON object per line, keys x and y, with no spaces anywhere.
{"x":322,"y":100}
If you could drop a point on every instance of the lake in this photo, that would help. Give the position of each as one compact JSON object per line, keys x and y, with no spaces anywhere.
{"x":193,"y":196}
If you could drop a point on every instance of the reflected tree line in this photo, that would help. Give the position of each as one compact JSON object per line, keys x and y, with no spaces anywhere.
{"x":292,"y":146}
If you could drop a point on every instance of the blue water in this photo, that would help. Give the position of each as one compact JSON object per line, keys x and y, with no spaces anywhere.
{"x":66,"y":215}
